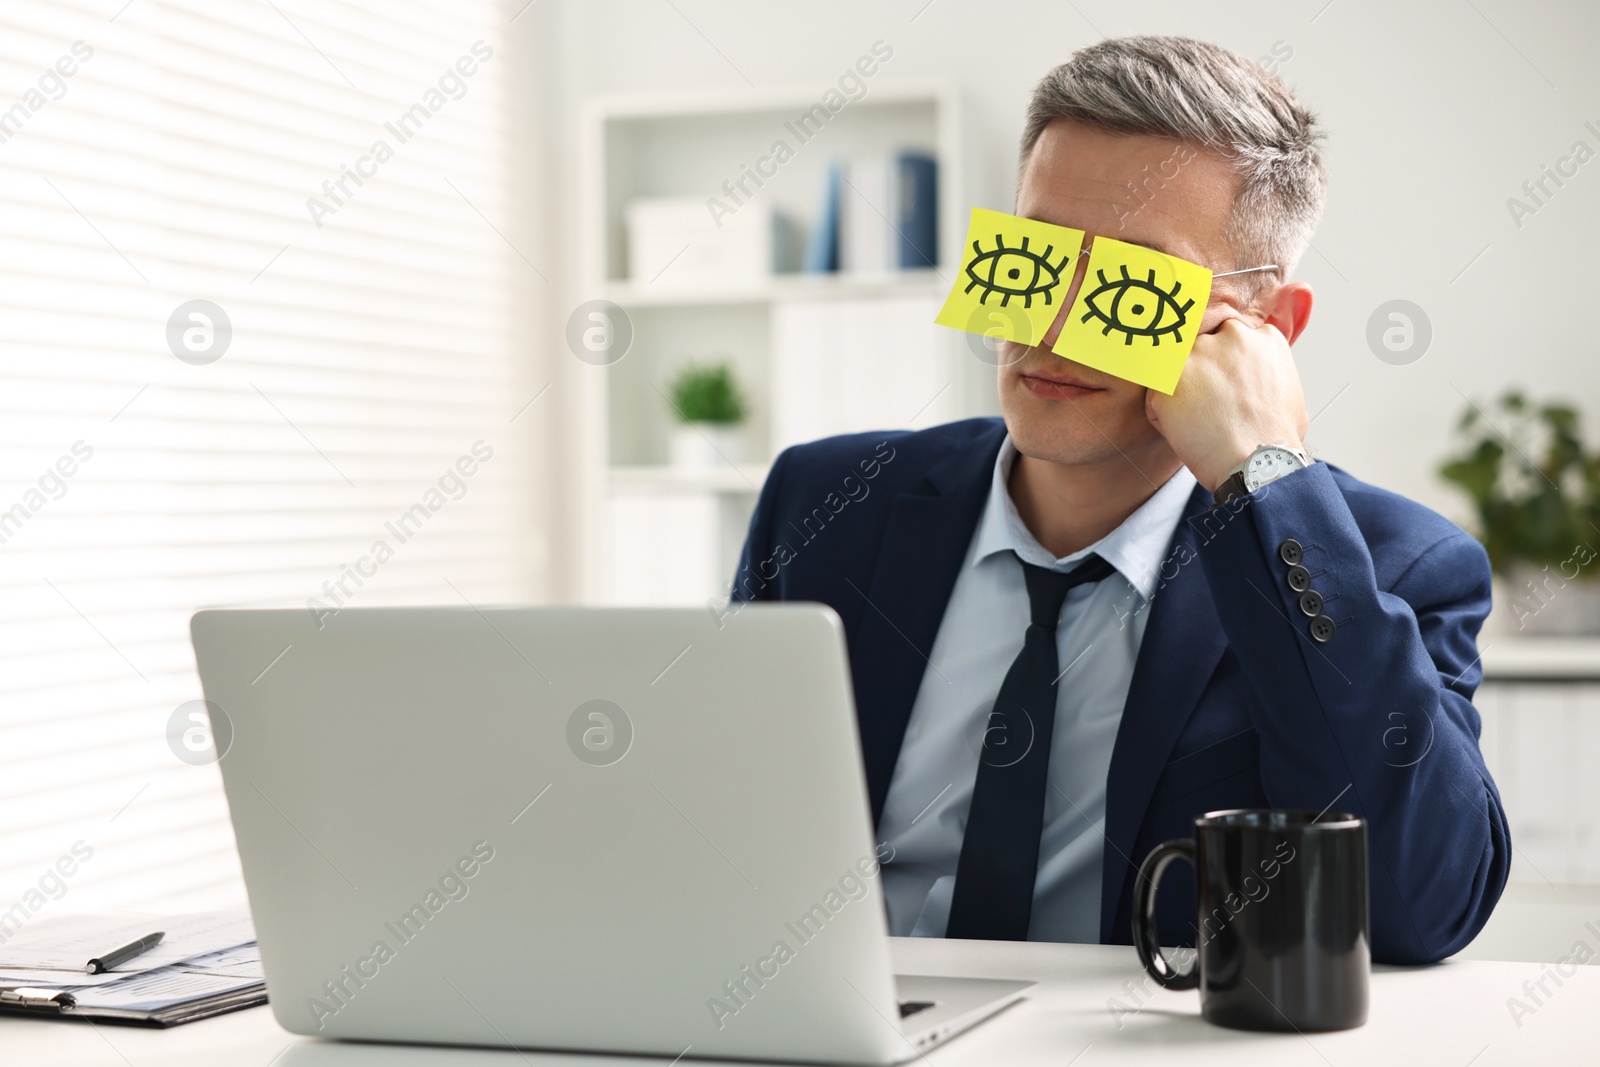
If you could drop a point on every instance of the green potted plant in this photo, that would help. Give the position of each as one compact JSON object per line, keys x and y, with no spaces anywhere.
{"x":709,"y":410}
{"x":1536,"y":494}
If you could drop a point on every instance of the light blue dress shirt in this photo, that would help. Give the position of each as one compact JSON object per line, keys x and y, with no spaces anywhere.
{"x":1097,"y":644}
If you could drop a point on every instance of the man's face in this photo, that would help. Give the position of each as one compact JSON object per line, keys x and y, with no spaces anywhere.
{"x":1084,"y":178}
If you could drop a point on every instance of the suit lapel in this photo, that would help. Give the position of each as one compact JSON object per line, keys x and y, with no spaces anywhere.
{"x":924,"y":543}
{"x":1182,"y":645}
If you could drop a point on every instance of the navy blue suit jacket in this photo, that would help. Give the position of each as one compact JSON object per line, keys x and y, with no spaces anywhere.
{"x":1232,"y":703}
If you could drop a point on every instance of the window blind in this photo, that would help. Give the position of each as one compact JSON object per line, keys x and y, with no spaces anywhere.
{"x":329,"y":180}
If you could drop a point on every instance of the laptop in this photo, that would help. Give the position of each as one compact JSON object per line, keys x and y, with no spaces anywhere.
{"x":620,"y":830}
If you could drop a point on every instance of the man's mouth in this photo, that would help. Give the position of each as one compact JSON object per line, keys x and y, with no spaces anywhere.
{"x":1058,"y":386}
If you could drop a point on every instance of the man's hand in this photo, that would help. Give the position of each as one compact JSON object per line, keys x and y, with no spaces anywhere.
{"x":1239,"y":389}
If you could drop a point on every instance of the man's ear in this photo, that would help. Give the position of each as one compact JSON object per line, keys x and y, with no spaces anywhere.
{"x":1289,"y":309}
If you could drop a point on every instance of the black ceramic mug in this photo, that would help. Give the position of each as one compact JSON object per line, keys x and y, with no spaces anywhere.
{"x":1282,"y":939}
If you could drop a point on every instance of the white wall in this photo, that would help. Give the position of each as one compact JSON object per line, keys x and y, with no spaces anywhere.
{"x":1434,"y":119}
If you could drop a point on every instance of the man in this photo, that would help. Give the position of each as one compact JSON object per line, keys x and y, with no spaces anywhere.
{"x":1307,"y":643}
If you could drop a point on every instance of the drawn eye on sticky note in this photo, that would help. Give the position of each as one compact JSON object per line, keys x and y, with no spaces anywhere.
{"x":1014,"y":272}
{"x":1137,"y":314}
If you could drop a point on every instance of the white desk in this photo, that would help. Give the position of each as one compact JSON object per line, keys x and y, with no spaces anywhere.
{"x":1453,"y":1015}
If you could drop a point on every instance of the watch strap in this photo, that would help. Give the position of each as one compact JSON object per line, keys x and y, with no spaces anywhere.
{"x":1231,"y":490}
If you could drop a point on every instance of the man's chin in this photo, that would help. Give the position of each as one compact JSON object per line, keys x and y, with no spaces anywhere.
{"x":1065,"y":451}
{"x":1078,"y":433}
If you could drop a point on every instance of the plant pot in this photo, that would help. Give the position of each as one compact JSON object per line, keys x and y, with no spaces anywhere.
{"x":706,"y":446}
{"x":1538,"y":601}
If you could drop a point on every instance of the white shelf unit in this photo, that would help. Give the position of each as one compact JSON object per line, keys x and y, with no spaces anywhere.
{"x":1535,"y":659}
{"x":733,"y":478}
{"x":1540,"y":702}
{"x":670,"y":536}
{"x":782,"y":287}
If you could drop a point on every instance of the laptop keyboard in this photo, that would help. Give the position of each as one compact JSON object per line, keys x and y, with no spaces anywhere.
{"x":911,"y":1007}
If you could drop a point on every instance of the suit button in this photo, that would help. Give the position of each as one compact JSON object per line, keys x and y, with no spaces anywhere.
{"x":1291,"y":552}
{"x":1299,"y":579}
{"x":1311,"y":603}
{"x":1322,"y":629}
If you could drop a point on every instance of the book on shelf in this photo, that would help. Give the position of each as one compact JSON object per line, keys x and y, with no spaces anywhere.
{"x":822,"y":248}
{"x":888,"y":213}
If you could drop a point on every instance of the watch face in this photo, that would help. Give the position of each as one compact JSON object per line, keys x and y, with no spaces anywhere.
{"x":1270,"y":464}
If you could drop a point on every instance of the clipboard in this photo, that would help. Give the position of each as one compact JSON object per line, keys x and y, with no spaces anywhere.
{"x":97,"y":1003}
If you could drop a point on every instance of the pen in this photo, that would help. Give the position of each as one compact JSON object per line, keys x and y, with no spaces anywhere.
{"x":125,"y":953}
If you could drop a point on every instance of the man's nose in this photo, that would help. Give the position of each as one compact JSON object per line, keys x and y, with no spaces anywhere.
{"x":1079,"y":269}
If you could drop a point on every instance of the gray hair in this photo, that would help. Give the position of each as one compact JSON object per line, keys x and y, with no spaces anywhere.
{"x":1206,"y":95}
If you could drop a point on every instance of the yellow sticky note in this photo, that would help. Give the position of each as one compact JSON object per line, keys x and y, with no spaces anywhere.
{"x":1136,"y":315}
{"x":1014,"y":272}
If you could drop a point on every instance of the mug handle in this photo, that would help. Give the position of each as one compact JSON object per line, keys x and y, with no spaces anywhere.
{"x":1144,"y":915}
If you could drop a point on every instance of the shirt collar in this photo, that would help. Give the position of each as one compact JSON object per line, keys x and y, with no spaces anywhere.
{"x":1134,"y":548}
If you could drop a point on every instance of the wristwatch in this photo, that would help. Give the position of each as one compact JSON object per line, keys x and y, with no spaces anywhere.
{"x":1266,"y":464}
